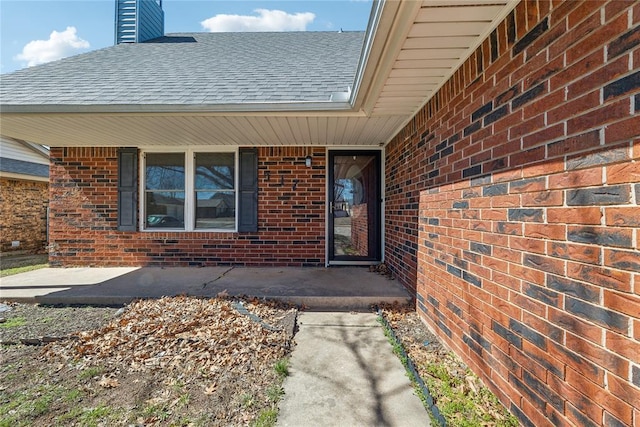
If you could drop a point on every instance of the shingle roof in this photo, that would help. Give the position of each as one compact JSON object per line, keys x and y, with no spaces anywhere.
{"x":196,"y":69}
{"x":23,"y":168}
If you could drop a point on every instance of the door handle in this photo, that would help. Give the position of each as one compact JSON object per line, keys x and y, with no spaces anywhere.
{"x":331,"y":208}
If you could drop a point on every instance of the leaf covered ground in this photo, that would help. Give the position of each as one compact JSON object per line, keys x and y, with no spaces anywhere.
{"x":174,"y":361}
{"x":187,"y":362}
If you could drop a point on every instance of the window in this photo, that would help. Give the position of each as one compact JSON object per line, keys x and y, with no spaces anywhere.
{"x":215,"y":196}
{"x":164,"y":190}
{"x":190,"y":191}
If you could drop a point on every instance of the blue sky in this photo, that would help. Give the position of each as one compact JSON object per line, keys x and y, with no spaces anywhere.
{"x":38,"y":31}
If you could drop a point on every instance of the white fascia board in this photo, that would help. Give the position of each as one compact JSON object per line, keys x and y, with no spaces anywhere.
{"x":178,"y":108}
{"x":23,"y":177}
{"x":39,"y":149}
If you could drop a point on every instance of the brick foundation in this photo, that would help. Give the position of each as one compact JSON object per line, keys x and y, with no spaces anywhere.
{"x":84,"y":212}
{"x":520,"y":226}
{"x":23,"y":215}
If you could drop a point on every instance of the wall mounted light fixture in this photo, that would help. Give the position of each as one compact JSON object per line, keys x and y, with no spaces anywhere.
{"x":307,"y":161}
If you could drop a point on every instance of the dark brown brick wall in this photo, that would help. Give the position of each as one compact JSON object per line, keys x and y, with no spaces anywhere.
{"x":23,"y":214}
{"x":512,"y":208}
{"x":84,"y":211}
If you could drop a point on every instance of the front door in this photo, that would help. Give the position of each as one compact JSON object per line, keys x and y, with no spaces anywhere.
{"x":354,"y":207}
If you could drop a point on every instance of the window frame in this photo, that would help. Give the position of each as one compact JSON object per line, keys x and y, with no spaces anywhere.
{"x":189,"y":188}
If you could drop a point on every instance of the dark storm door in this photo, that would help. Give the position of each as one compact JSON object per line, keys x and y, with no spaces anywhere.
{"x":354,"y":198}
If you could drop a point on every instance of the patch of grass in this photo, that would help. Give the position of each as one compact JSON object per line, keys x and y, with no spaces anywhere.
{"x":13,"y":322}
{"x":202,"y":421}
{"x":275,"y":392}
{"x":266,"y":418}
{"x":22,"y":407}
{"x":11,"y":376}
{"x":93,"y":416}
{"x":68,"y":417}
{"x":439,"y":371}
{"x":282,"y":367}
{"x":184,"y":422}
{"x":459,"y":406}
{"x":42,"y":405}
{"x":91,"y":372}
{"x":160,"y":412}
{"x":12,"y":409}
{"x":177,"y":385}
{"x":247,"y":400}
{"x":89,"y":417}
{"x":17,"y":270}
{"x":13,"y":421}
{"x":183,"y":400}
{"x":73,"y":395}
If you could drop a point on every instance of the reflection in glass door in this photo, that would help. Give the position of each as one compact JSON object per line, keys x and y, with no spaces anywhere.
{"x":354,"y":206}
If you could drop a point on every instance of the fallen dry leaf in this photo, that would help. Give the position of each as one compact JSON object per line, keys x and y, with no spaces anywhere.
{"x":108,"y":382}
{"x":211,"y":388}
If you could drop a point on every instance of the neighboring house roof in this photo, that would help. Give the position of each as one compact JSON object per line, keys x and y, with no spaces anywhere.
{"x":251,"y":89}
{"x":24,"y":168}
{"x":23,"y":160}
{"x":196,"y":69}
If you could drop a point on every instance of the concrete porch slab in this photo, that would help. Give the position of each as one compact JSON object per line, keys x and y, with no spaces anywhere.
{"x":336,"y":288}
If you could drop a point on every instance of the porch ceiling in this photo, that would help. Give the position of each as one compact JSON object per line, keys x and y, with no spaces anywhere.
{"x":416,"y":47}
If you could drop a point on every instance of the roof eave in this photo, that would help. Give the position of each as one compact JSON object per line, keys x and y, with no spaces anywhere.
{"x":23,"y":176}
{"x":260,"y":108}
{"x":388,"y":27}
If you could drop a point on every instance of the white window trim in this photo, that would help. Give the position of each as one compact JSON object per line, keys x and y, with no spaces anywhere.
{"x":189,"y":188}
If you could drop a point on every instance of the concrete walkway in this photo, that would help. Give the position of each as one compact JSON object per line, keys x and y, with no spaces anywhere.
{"x":343,"y":373}
{"x":336,"y":288}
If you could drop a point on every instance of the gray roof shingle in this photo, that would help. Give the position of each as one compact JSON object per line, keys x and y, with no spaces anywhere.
{"x":195,"y":69}
{"x":24,"y":168}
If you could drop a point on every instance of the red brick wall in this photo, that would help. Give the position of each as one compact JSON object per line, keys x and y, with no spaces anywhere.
{"x":23,"y":215}
{"x":84,"y":216}
{"x":521,"y":226}
{"x":360,"y":228}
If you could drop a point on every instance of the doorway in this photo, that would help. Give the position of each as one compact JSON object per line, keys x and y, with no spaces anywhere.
{"x":354,"y":197}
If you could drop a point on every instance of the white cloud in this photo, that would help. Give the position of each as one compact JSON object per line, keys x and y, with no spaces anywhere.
{"x":267,"y":20}
{"x":59,"y":45}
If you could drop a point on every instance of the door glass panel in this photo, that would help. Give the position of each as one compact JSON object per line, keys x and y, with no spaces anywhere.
{"x":355,"y":206}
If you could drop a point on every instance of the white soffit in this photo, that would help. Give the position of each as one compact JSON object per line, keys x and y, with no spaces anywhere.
{"x":79,"y":130}
{"x":441,"y":37}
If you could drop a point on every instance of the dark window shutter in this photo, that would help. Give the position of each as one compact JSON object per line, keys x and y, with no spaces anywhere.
{"x":248,"y":188}
{"x":127,"y":189}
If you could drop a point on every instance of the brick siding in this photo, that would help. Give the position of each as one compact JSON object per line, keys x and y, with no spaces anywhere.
{"x":84,"y":208}
{"x":519,"y":225}
{"x":360,"y":228}
{"x":23,"y":216}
